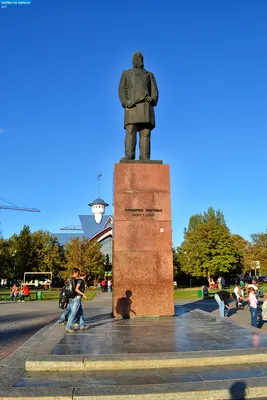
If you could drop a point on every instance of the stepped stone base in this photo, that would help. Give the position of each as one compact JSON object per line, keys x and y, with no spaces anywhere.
{"x":139,"y":359}
{"x":146,"y":361}
{"x":181,"y":390}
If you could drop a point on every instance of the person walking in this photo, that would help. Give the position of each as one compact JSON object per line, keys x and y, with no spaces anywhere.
{"x":76,"y":305}
{"x":253,"y":302}
{"x":109,"y":286}
{"x":222,"y":297}
{"x":73,"y":283}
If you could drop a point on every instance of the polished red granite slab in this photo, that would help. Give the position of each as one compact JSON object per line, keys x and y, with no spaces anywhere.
{"x":142,"y":247}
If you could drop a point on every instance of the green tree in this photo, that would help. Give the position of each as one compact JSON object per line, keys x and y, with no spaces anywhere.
{"x":21,"y":248}
{"x":6,"y":263}
{"x":259,"y":251}
{"x":244,"y":253}
{"x":26,"y":252}
{"x":84,"y":254}
{"x":179,"y":275}
{"x":208,"y":215}
{"x":208,"y":248}
{"x":48,"y":254}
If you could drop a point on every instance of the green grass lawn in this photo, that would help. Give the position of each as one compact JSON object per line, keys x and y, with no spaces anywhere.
{"x":51,"y":295}
{"x":180,"y":293}
{"x":186,"y":293}
{"x":192,"y":293}
{"x":46,"y":295}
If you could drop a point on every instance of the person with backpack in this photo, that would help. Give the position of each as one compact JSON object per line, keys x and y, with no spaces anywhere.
{"x":66,"y":294}
{"x":76,"y":304}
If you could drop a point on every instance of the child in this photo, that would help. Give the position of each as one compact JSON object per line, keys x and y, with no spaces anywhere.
{"x":253,"y":302}
{"x":205,"y":291}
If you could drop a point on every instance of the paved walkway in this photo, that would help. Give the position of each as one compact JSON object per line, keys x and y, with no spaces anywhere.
{"x":197,"y":328}
{"x":240,"y":316}
{"x":194,"y":333}
{"x":19,"y":321}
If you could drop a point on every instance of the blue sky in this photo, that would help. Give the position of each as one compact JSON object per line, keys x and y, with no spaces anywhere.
{"x":61,"y":122}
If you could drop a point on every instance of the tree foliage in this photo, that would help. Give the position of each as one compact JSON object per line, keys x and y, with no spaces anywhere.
{"x":21,"y":248}
{"x":6,"y":264}
{"x":208,"y":215}
{"x":244,"y":253}
{"x":180,"y":276}
{"x":208,"y":247}
{"x":259,"y":250}
{"x":47,"y":252}
{"x":27,"y":252}
{"x":84,"y":254}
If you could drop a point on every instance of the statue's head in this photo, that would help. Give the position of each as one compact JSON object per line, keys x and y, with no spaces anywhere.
{"x":138,"y":60}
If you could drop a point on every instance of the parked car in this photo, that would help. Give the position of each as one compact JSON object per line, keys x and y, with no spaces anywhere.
{"x":263,"y":278}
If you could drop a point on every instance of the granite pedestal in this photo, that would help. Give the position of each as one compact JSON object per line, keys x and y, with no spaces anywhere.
{"x":142,"y":248}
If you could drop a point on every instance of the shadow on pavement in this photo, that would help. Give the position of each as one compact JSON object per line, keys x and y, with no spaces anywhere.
{"x":208,"y":305}
{"x":238,"y":390}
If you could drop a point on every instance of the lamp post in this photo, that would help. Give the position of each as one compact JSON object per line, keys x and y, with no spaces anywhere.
{"x":14,"y":263}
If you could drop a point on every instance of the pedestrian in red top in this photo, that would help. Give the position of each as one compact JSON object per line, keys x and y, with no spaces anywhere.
{"x":103,"y":285}
{"x":24,"y":292}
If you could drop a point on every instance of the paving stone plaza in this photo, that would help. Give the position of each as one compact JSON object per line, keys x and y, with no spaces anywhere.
{"x":195,"y":354}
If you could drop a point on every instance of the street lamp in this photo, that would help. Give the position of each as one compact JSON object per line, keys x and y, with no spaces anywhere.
{"x":14,"y":263}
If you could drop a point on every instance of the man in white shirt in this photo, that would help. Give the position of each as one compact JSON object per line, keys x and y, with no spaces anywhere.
{"x":237,"y":295}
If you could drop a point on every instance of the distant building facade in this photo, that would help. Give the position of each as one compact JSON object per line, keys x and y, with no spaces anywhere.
{"x":89,"y":229}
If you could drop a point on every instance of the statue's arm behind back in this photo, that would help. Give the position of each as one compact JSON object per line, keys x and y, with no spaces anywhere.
{"x":154,"y":89}
{"x":123,"y":94}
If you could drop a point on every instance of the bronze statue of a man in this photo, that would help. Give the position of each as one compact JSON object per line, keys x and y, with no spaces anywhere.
{"x":138,"y":94}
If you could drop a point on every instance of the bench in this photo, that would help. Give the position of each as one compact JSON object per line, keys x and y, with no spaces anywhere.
{"x":7,"y":297}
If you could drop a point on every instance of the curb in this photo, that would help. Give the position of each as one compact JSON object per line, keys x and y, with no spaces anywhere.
{"x":168,"y":392}
{"x":145,"y":361}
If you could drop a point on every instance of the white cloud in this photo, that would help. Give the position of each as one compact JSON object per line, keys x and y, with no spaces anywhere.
{"x":2,"y":130}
